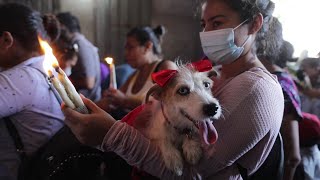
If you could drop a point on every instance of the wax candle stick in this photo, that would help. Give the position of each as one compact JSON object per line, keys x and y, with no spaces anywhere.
{"x":71,"y":91}
{"x":63,"y":94}
{"x":64,"y":87}
{"x":113,"y":79}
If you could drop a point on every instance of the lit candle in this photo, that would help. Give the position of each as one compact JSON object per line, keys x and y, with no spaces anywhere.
{"x":70,"y":89}
{"x":63,"y":94}
{"x":64,"y":87}
{"x":113,"y":80}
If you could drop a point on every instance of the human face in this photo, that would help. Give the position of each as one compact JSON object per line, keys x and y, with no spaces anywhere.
{"x":216,"y":15}
{"x":134,"y":52}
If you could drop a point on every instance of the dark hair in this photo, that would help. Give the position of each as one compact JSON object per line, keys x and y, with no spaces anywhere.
{"x":52,"y":26}
{"x":146,"y":34}
{"x":70,"y":21}
{"x":248,"y":9}
{"x":65,"y":49}
{"x":286,"y":54}
{"x":23,"y":23}
{"x":310,"y":62}
{"x":270,"y":48}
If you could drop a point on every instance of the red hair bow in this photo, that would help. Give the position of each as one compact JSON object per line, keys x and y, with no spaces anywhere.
{"x":202,"y":66}
{"x":162,"y":77}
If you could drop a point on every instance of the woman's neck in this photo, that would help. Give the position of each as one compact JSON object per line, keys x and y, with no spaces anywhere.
{"x":271,"y":67}
{"x":149,"y":60}
{"x":241,"y":65}
{"x":22,"y":56}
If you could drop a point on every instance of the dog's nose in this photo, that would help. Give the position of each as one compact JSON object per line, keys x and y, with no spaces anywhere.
{"x":210,"y":109}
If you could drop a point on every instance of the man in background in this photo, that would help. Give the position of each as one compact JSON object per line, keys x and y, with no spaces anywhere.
{"x":85,"y":75}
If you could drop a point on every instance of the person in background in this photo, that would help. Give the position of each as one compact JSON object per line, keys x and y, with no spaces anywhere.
{"x":252,"y":99}
{"x":85,"y":74}
{"x":269,"y":52}
{"x":52,"y":26}
{"x":66,"y":53}
{"x":310,"y":88}
{"x":26,"y":99}
{"x":64,"y":50}
{"x":309,"y":167}
{"x":142,"y":52}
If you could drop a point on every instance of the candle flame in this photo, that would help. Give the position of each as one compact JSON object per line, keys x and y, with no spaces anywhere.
{"x":50,"y":60}
{"x":109,"y":60}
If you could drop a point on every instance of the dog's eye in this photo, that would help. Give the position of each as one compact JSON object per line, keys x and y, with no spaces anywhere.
{"x":184,"y":91}
{"x":206,"y":84}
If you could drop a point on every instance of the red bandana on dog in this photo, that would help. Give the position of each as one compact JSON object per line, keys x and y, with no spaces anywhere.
{"x":162,"y":77}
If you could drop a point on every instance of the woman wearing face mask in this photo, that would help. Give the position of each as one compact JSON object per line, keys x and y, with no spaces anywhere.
{"x":66,"y":53}
{"x":251,"y":97}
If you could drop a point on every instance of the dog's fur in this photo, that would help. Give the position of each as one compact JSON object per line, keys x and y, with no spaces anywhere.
{"x":183,"y":100}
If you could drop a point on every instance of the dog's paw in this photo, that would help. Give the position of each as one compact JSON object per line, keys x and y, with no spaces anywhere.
{"x":192,"y":151}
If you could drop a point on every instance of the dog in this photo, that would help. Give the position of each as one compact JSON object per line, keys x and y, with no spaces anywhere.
{"x":179,"y":118}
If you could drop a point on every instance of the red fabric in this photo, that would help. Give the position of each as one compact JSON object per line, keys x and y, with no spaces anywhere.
{"x":136,"y":173}
{"x":202,"y":66}
{"x":163,"y":77}
{"x":131,"y":116}
{"x":309,"y":129}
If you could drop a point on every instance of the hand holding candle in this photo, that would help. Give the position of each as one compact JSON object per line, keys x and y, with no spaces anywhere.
{"x":63,"y":85}
{"x":113,"y":80}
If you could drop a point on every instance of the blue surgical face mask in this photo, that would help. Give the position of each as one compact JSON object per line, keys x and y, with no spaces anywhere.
{"x":219,"y":45}
{"x":68,"y":70}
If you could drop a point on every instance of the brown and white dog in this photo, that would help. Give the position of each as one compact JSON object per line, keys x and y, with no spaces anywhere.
{"x":180,"y":118}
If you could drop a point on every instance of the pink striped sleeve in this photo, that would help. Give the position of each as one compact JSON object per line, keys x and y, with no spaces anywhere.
{"x":138,"y":151}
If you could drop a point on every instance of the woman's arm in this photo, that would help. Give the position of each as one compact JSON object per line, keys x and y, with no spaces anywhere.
{"x":131,"y":145}
{"x":311,"y":92}
{"x":167,"y":64}
{"x":290,"y":134}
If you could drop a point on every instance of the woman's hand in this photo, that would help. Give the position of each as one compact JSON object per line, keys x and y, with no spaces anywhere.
{"x":116,"y":97}
{"x":90,"y":128}
{"x":105,"y":104}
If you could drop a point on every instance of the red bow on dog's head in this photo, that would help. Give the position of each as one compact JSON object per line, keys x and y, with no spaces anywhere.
{"x":162,"y":77}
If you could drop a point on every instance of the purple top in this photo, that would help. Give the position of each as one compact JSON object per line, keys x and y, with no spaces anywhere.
{"x":291,"y":96}
{"x":33,"y":108}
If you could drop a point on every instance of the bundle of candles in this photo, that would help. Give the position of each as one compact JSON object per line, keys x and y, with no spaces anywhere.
{"x":62,"y":84}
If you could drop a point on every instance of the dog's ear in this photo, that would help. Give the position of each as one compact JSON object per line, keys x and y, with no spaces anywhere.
{"x":154,"y":91}
{"x":212,"y":73}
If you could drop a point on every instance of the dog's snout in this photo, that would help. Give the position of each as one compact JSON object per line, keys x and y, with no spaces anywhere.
{"x":210,"y":109}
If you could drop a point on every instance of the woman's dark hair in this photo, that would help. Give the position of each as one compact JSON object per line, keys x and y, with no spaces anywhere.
{"x":65,"y":49}
{"x":286,"y":54}
{"x":270,"y":48}
{"x":248,"y":9}
{"x":52,"y":26}
{"x":146,"y":34}
{"x":23,"y":23}
{"x":70,"y":21}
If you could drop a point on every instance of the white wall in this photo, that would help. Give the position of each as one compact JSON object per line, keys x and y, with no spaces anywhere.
{"x":179,"y":17}
{"x":84,"y":10}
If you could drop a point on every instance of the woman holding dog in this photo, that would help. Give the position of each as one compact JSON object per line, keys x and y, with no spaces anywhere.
{"x":251,"y":97}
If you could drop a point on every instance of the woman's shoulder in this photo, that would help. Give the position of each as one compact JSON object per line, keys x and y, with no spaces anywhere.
{"x":256,"y":76}
{"x":252,"y":82}
{"x":165,"y":64}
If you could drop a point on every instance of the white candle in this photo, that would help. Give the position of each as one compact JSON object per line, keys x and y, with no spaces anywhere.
{"x":64,"y":87}
{"x":113,"y":80}
{"x":63,"y":94}
{"x":70,"y":89}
